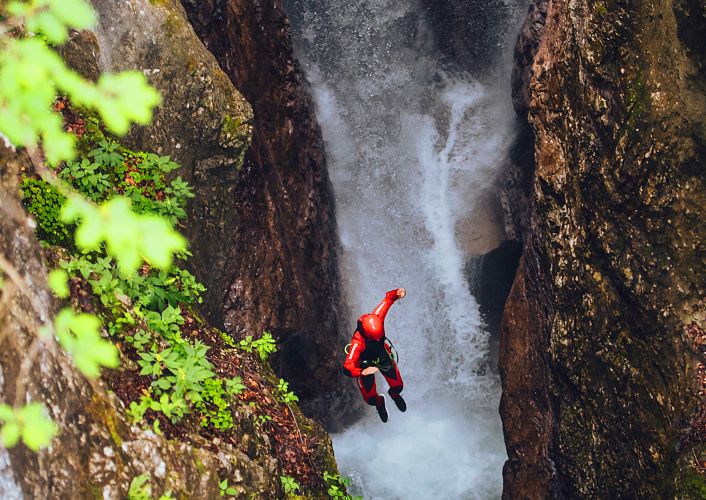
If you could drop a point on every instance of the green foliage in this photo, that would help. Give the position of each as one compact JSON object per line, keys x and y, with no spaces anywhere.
{"x":29,"y":423}
{"x":225,"y":489}
{"x":87,"y":177}
{"x":262,"y":420}
{"x":227,"y":339}
{"x":58,"y":283}
{"x":79,"y":335}
{"x":264,"y":346}
{"x":214,"y":406}
{"x":53,"y":18}
{"x":44,"y":202}
{"x":140,"y":488}
{"x":289,"y":485}
{"x":128,"y":237}
{"x":181,"y":369}
{"x":285,"y":395}
{"x":154,"y":290}
{"x":31,"y":74}
{"x":337,"y":486}
{"x":234,"y":386}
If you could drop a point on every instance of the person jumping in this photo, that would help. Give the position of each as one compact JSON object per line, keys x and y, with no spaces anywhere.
{"x":370,"y":352}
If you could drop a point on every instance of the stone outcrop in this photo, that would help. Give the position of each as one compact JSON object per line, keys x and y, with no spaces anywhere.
{"x":598,"y":377}
{"x":203,"y":123}
{"x":282,"y":270}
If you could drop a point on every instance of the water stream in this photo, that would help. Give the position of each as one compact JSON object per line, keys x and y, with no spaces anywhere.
{"x":411,"y":145}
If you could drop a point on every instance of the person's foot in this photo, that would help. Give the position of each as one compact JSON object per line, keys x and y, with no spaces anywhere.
{"x":400,"y":403}
{"x":380,"y":406}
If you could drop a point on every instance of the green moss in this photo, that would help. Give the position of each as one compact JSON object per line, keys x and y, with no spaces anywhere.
{"x":227,"y":339}
{"x":600,"y":8}
{"x":235,"y":133}
{"x":691,"y":485}
{"x":44,"y":202}
{"x":103,"y":412}
{"x":231,"y":125}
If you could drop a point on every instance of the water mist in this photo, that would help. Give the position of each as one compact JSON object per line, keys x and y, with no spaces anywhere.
{"x":411,"y":145}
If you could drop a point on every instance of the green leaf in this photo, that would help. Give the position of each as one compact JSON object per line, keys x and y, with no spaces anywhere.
{"x":58,"y":279}
{"x":79,"y":335}
{"x":10,"y":434}
{"x":126,"y":98}
{"x":128,"y":236}
{"x":38,"y":430}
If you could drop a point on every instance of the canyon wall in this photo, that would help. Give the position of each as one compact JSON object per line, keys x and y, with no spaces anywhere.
{"x":281,"y":269}
{"x":597,"y":350}
{"x":239,"y":226}
{"x":261,"y":226}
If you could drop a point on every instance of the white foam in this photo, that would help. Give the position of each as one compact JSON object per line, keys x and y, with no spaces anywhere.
{"x":409,"y":149}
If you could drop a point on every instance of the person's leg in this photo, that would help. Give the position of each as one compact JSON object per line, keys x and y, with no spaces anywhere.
{"x":394,"y":380}
{"x":366,"y":383}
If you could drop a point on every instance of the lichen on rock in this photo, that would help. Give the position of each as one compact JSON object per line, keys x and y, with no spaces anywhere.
{"x":614,"y":95}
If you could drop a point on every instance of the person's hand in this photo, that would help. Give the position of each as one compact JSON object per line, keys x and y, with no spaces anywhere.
{"x":370,"y":370}
{"x":401,"y":292}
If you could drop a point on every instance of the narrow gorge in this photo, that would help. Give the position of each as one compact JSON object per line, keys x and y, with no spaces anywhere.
{"x":530,"y":171}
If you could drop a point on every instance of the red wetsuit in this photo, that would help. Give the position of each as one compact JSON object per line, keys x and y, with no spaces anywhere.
{"x":369,"y":349}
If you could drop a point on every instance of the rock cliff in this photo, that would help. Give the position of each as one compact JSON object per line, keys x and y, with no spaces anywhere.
{"x":282,"y":270}
{"x":262,"y":225}
{"x":597,"y":350}
{"x":205,"y":124}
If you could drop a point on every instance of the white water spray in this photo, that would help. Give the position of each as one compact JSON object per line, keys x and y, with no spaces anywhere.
{"x":410,"y":148}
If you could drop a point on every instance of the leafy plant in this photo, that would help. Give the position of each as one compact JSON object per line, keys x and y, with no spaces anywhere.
{"x":29,"y":423}
{"x":140,"y":488}
{"x":285,"y":395}
{"x":87,"y":178}
{"x":337,"y":486}
{"x":214,"y":407}
{"x":262,"y":420}
{"x":234,"y":386}
{"x":43,"y":201}
{"x":289,"y":485}
{"x":225,"y":489}
{"x":79,"y":335}
{"x":264,"y":346}
{"x":227,"y":339}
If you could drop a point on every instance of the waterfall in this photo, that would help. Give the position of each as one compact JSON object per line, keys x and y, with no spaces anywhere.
{"x":411,"y":144}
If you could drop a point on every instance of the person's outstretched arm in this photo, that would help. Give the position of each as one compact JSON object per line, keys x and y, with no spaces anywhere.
{"x":390,"y":298}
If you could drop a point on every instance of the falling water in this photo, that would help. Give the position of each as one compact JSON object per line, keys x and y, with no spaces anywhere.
{"x":411,"y":145}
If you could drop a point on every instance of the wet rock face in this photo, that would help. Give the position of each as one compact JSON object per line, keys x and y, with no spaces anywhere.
{"x":491,"y":276}
{"x":525,"y":50}
{"x":281,"y":269}
{"x":612,"y":269}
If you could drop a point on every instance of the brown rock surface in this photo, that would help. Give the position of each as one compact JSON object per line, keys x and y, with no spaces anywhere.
{"x":282,"y":269}
{"x":203,"y":123}
{"x":598,"y":381}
